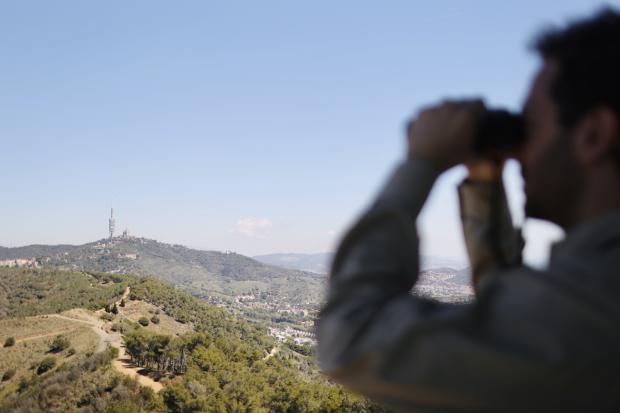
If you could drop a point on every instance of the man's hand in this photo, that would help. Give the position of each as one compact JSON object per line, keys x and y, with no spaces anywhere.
{"x":485,"y":170}
{"x":445,"y":134}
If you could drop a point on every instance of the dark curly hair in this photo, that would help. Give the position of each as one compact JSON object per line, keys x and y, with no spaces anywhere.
{"x":588,"y":56}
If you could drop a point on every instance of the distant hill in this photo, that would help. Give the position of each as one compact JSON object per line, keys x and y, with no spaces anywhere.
{"x":319,"y":263}
{"x":280,"y":279}
{"x":205,"y":273}
{"x":462,"y":277}
{"x":31,"y":251}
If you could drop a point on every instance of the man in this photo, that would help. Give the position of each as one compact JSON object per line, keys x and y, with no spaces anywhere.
{"x":532,"y":340}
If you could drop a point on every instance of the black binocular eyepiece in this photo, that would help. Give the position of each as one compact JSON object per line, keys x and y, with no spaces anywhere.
{"x":499,"y":131}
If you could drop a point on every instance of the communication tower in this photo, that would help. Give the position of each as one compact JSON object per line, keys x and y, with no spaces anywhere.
{"x":112,"y":223}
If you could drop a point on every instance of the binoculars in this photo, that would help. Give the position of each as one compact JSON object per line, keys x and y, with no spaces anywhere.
{"x":499,"y":131}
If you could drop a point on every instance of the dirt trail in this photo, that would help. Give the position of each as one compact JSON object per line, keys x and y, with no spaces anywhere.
{"x":82,"y":316}
{"x":36,"y":336}
{"x":122,"y":363}
{"x":124,"y":296}
{"x":272,"y":353}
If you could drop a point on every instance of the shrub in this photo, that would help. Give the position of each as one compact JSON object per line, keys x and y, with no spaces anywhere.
{"x":47,"y":364}
{"x":113,"y":383}
{"x":304,"y":349}
{"x":107,"y":317}
{"x":71,"y":351}
{"x":24,"y":383}
{"x":123,"y":302}
{"x":114,"y":309}
{"x":131,"y":383}
{"x":59,"y":344}
{"x":9,"y":342}
{"x":53,"y":390}
{"x":155,"y":319}
{"x":112,"y":352}
{"x":147,"y":394}
{"x":8,"y":375}
{"x":143,"y":321}
{"x":176,"y":398}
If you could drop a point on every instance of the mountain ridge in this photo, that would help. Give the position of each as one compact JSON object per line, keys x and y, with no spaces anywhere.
{"x":260,"y":287}
{"x":205,"y":273}
{"x":320,"y":262}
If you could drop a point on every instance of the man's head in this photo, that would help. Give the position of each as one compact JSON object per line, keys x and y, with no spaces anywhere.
{"x":572,"y":150}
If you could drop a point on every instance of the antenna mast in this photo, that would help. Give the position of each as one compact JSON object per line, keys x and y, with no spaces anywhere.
{"x":112,"y":223}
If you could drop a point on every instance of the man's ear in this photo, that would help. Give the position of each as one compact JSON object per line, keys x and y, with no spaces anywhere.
{"x":597,"y":135}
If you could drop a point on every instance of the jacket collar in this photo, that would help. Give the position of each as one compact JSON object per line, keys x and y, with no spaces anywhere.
{"x":593,"y":235}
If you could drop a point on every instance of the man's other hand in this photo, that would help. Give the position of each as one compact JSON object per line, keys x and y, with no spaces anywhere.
{"x":445,"y":134}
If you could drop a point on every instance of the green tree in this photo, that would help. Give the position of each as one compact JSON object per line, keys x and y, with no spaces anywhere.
{"x":122,"y":406}
{"x":9,"y":342}
{"x":177,"y":398}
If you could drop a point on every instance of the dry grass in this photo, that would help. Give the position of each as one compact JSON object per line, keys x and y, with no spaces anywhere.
{"x":33,"y":337}
{"x":27,"y":327}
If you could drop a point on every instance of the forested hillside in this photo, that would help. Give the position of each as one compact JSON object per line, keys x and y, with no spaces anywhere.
{"x":224,"y":365}
{"x":27,"y":292}
{"x":205,"y":273}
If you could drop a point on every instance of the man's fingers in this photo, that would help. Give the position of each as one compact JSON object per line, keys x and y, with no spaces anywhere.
{"x":444,"y":133}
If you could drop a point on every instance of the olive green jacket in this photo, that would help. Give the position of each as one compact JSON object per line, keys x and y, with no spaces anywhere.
{"x":530,"y":341}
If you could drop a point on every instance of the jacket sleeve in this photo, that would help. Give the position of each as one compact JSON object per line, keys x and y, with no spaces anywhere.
{"x":414,"y":354}
{"x":491,"y":240}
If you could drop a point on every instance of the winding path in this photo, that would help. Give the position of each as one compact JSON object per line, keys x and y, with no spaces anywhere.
{"x":37,"y":336}
{"x":107,"y":337}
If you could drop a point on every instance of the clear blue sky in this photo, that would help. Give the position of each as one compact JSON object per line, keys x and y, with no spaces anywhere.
{"x":251,"y":126}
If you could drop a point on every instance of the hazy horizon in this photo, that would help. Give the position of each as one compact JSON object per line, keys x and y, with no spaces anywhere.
{"x":203,"y":248}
